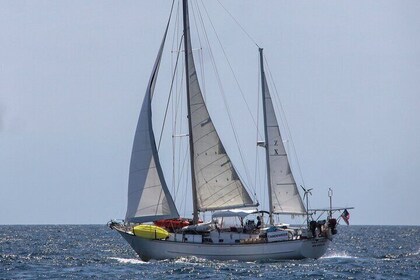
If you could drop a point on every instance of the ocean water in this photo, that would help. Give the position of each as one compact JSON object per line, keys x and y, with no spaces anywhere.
{"x":96,"y":252}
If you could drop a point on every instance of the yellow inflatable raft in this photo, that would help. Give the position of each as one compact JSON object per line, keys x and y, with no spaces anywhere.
{"x":150,"y":232}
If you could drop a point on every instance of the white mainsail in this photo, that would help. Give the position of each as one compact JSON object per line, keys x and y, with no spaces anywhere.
{"x":285,"y":197}
{"x":217,"y":185}
{"x":148,"y":195}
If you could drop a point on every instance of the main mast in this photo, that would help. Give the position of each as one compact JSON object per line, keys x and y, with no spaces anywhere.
{"x":267,"y":150}
{"x":187,"y":85}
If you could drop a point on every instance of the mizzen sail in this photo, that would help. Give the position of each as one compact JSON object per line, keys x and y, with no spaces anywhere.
{"x":148,"y":195}
{"x":283,"y":191}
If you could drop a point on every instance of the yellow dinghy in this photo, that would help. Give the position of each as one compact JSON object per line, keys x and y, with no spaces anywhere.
{"x":150,"y":232}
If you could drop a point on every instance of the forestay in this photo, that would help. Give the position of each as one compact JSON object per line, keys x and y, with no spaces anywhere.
{"x":217,"y":183}
{"x":148,"y":195}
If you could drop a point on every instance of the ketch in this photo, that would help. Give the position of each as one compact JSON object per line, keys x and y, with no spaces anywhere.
{"x":153,"y":226}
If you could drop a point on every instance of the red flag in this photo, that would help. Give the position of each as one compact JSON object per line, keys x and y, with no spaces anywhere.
{"x":346,"y":216}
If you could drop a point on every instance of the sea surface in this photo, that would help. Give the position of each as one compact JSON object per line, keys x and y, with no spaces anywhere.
{"x":96,"y":252}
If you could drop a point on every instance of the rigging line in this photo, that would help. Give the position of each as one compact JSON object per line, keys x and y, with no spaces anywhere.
{"x":225,"y":102}
{"x":170,"y":94}
{"x":180,"y":108}
{"x":256,"y":167}
{"x":196,"y":25}
{"x":221,"y":88}
{"x":174,"y":100}
{"x":285,"y":122}
{"x":186,"y":183}
{"x":180,"y":147}
{"x":240,"y":26}
{"x":176,"y":31}
{"x":160,"y":137}
{"x":230,"y":67}
{"x":200,"y":50}
{"x":180,"y":173}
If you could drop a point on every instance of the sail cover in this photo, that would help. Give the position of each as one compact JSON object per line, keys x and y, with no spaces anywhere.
{"x":148,"y":195}
{"x":217,"y":183}
{"x":284,"y":192}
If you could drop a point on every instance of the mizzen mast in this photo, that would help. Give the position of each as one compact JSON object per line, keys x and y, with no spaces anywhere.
{"x":267,"y":152}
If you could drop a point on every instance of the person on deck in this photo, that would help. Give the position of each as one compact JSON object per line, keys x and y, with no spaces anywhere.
{"x":258,"y":222}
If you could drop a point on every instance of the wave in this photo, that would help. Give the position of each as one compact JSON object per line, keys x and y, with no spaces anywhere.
{"x":416,"y":253}
{"x":400,"y":256}
{"x":338,"y":255}
{"x":128,"y":261}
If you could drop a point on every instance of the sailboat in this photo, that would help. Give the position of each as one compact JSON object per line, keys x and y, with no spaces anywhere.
{"x":153,"y":226}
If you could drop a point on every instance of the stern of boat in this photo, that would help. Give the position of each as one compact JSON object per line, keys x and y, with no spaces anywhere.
{"x":315,"y":248}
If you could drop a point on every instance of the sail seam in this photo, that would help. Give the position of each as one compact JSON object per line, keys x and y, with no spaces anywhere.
{"x":216,"y":176}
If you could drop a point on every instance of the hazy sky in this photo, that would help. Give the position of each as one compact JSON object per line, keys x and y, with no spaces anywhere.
{"x":73,"y":75}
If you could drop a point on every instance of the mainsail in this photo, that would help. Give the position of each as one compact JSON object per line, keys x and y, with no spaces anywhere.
{"x":217,"y":185}
{"x":283,"y":192}
{"x":148,"y":195}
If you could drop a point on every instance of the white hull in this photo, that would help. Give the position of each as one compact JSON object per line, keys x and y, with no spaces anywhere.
{"x":163,"y":249}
